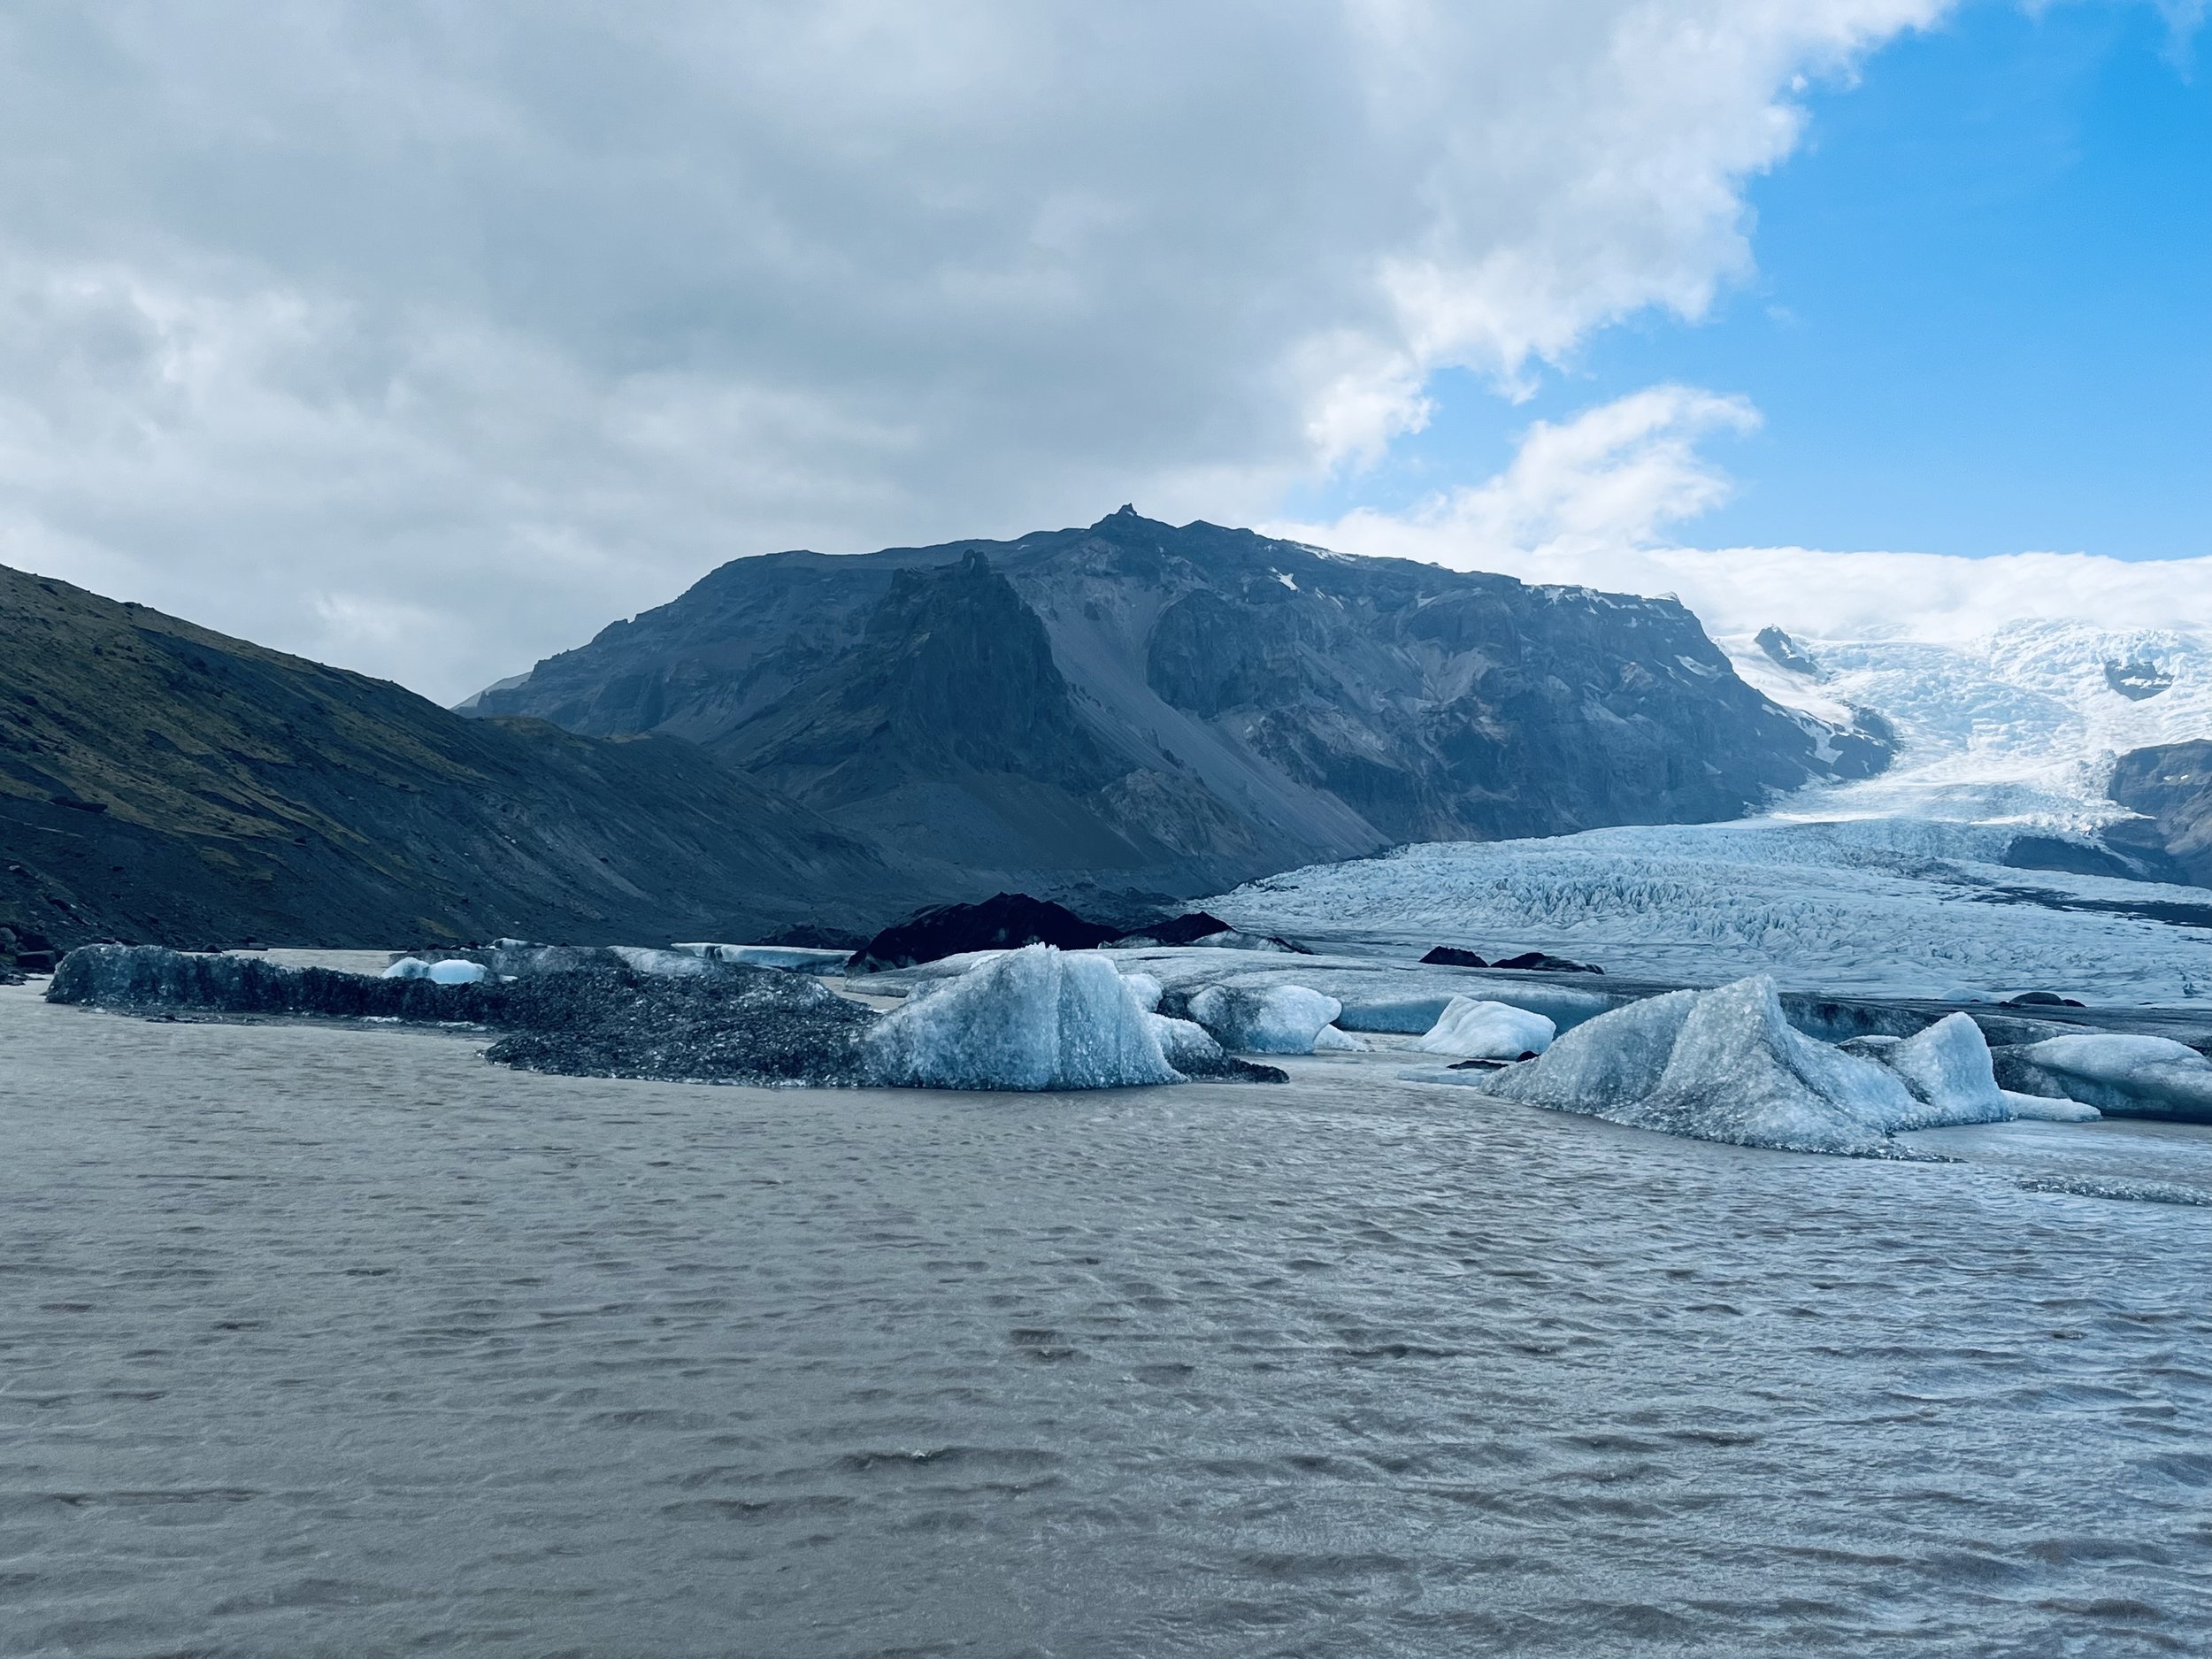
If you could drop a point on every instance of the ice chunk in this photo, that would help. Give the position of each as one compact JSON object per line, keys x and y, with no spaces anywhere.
{"x":1717,"y":1065}
{"x":643,"y":959}
{"x":2124,"y":1076}
{"x":1034,"y":1018}
{"x":1329,"y":1039}
{"x":1146,"y":989}
{"x":1947,"y":1067}
{"x":1478,"y":1030}
{"x":456,"y":971}
{"x":1187,"y":1047}
{"x":2047,"y":1108}
{"x":1603,"y":1065}
{"x":407,"y":968}
{"x":1264,"y":1019}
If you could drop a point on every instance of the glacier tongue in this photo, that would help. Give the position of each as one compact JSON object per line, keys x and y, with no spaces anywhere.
{"x":1897,"y":885}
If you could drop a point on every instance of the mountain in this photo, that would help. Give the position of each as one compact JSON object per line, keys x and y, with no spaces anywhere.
{"x":161,"y":782}
{"x":2170,"y":785}
{"x":1138,"y":703}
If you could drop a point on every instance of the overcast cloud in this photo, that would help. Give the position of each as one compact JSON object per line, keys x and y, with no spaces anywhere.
{"x":427,"y":339}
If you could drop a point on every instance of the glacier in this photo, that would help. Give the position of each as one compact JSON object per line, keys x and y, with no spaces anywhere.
{"x":1898,"y":885}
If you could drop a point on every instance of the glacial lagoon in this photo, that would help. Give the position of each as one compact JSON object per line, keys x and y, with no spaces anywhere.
{"x":335,"y":1339}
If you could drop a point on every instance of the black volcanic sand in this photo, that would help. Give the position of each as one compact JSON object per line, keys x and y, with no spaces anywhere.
{"x":334,"y":1340}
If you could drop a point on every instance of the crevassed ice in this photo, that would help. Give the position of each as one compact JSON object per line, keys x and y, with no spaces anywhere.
{"x":1895,"y":884}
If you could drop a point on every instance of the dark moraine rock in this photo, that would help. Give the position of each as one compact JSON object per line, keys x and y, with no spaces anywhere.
{"x":2040,"y":999}
{"x":1453,"y":956}
{"x":1140,"y":704}
{"x":1006,"y":921}
{"x":2137,"y":681}
{"x":588,"y":1015}
{"x":1541,"y":962}
{"x":1785,"y":652}
{"x":1186,"y":929}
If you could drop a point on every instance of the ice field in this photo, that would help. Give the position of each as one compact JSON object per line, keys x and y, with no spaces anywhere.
{"x":1897,"y":885}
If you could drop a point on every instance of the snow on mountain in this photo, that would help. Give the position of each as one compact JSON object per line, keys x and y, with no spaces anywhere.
{"x":1899,"y":884}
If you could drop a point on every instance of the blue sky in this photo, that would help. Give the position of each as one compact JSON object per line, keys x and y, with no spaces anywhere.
{"x":1981,"y":320}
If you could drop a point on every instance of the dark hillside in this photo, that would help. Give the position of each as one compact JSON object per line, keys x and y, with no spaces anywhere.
{"x":161,"y":782}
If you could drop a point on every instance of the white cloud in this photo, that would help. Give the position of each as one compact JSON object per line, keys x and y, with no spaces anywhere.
{"x":427,"y":339}
{"x":1595,"y":500}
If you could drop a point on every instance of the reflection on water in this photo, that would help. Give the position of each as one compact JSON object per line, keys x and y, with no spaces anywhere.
{"x":341,"y":1342}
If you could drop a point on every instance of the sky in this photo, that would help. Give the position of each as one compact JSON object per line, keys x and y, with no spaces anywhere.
{"x":429,"y":339}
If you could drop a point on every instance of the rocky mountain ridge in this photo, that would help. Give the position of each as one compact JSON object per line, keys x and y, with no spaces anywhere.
{"x":1181,"y":707}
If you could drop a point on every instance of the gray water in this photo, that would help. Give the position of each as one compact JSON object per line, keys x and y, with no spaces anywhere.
{"x":320,"y":1340}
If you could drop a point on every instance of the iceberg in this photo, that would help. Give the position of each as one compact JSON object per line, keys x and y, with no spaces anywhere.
{"x":2049,"y":1109}
{"x":1741,"y":1073}
{"x":1033,"y":1018}
{"x":452,"y":971}
{"x":1330,"y":1039}
{"x":1269,"y":1019}
{"x":1947,"y":1070}
{"x":1473,"y":1029}
{"x":1604,"y":1066}
{"x":1715,"y":1065}
{"x":2124,"y":1076}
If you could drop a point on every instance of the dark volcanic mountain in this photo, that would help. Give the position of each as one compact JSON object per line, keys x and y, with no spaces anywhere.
{"x":2171,"y":785}
{"x":1142,"y":704}
{"x":161,"y":782}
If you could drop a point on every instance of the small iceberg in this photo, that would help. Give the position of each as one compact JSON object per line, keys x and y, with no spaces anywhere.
{"x":452,"y":971}
{"x":1471,"y":1028}
{"x":1264,"y":1019}
{"x":2125,"y":1076}
{"x":1947,"y":1069}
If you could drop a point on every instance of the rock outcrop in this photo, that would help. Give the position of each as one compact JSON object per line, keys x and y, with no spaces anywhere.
{"x":2170,"y":785}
